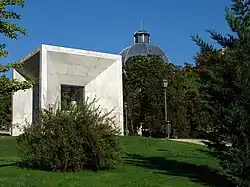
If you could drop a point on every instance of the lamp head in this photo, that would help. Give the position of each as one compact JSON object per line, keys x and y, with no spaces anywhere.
{"x":165,"y":83}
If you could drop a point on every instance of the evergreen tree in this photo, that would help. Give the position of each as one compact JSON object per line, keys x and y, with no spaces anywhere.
{"x":199,"y":120}
{"x":225,"y":76}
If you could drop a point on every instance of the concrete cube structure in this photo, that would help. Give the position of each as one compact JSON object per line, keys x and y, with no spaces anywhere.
{"x":93,"y":74}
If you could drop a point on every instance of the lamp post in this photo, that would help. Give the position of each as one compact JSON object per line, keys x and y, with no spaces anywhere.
{"x":126,"y":117}
{"x":165,"y":85}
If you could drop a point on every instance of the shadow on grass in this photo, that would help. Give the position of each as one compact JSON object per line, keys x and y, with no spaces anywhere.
{"x":162,"y":150}
{"x":7,"y":163}
{"x":198,"y":173}
{"x":2,"y":165}
{"x":208,"y":152}
{"x":23,"y":165}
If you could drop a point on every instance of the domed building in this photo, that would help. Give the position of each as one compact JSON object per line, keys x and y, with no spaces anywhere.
{"x":142,"y":46}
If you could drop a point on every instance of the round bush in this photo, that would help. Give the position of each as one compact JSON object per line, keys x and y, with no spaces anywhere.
{"x":81,"y":138}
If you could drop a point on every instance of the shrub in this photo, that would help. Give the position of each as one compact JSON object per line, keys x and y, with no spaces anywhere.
{"x":81,"y":138}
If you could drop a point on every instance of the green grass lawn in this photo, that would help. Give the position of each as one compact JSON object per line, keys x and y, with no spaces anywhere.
{"x":147,"y":162}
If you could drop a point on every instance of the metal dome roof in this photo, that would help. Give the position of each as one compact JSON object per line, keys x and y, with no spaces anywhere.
{"x":142,"y":47}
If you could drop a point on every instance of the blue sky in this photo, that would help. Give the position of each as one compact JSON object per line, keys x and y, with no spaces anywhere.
{"x":109,"y":25}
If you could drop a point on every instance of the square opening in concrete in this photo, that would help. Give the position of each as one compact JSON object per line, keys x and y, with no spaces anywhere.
{"x":71,"y":94}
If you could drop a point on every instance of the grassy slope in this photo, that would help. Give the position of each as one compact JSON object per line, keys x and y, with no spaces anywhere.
{"x":147,"y":162}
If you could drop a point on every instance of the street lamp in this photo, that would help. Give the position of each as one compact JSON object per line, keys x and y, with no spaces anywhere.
{"x":167,"y":123}
{"x":126,"y":117}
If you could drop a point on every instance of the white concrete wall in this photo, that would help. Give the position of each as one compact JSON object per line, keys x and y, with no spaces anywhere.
{"x":107,"y":88}
{"x":43,"y":78}
{"x":53,"y":85}
{"x":99,"y":73}
{"x":22,"y":105}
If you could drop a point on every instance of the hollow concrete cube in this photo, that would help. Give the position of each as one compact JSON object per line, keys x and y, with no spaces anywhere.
{"x":99,"y":75}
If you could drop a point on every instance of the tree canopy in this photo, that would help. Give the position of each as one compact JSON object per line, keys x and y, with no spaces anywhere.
{"x":224,"y":75}
{"x":144,"y":94}
{"x":9,"y":28}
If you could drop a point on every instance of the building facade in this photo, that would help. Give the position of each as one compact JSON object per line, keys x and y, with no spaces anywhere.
{"x":83,"y":74}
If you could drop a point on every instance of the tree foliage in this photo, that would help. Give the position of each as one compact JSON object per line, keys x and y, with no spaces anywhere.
{"x":5,"y":110}
{"x":12,"y":31}
{"x":199,"y":120}
{"x":9,"y":28}
{"x":144,"y":94}
{"x":225,"y":76}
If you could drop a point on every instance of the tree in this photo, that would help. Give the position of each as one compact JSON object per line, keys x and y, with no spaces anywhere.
{"x":5,"y":110}
{"x":225,"y":78}
{"x":199,"y":120}
{"x":143,"y":92}
{"x":12,"y":31}
{"x":177,"y":104}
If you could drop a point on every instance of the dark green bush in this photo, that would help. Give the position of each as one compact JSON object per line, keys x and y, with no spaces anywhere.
{"x":81,"y":138}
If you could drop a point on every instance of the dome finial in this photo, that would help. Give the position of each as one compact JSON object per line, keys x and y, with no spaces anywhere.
{"x":141,"y":36}
{"x":141,"y":24}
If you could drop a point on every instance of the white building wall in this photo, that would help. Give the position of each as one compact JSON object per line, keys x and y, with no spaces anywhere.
{"x":53,"y":85}
{"x":22,"y":105}
{"x":99,"y":73}
{"x":107,"y":88}
{"x":43,"y":80}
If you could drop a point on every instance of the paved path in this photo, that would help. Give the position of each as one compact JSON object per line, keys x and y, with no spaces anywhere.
{"x":5,"y":132}
{"x":195,"y":141}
